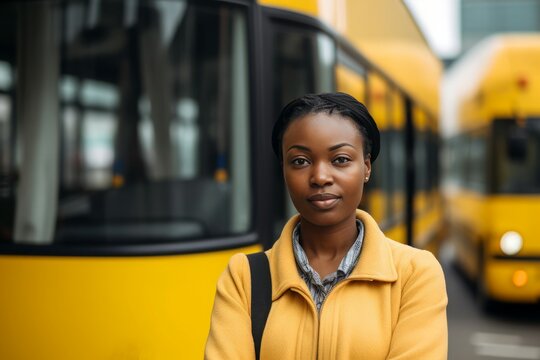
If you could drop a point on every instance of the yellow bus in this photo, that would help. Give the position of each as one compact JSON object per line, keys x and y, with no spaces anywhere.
{"x":492,"y":112}
{"x":135,"y":155}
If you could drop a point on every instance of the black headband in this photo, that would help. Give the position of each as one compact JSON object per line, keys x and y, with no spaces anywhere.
{"x":344,"y":104}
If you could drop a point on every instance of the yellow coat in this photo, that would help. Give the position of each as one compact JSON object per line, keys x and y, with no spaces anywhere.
{"x":392,"y":306}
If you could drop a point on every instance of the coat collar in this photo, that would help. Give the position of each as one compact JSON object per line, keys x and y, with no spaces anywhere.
{"x":375,"y":263}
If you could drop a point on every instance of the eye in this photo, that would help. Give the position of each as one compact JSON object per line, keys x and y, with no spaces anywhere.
{"x":299,"y":162}
{"x":341,"y":160}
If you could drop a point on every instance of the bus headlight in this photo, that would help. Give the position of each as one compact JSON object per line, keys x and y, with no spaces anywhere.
{"x":511,"y":243}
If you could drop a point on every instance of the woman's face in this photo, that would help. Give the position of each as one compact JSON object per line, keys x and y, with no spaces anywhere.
{"x":324,"y":167}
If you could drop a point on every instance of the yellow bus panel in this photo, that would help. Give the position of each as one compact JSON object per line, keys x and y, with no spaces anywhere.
{"x":154,"y":307}
{"x":350,"y":82}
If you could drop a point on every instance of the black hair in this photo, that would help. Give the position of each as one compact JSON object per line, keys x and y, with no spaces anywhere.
{"x":329,"y":103}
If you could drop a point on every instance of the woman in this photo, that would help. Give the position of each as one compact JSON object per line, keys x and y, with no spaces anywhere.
{"x":340,"y":288}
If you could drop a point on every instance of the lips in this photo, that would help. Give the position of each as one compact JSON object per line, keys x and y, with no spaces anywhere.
{"x":323,"y":201}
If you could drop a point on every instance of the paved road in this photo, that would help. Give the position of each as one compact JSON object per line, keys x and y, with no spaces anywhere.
{"x":510,"y":332}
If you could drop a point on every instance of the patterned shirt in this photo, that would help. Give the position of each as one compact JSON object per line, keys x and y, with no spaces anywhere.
{"x":321,"y":288}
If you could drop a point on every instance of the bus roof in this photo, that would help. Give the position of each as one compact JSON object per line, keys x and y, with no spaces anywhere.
{"x":494,"y":64}
{"x":386,"y":34}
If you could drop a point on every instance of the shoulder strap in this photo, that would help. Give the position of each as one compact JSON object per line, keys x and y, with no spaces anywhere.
{"x":261,"y":296}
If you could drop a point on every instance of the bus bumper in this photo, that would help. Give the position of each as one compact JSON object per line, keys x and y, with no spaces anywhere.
{"x":514,"y":279}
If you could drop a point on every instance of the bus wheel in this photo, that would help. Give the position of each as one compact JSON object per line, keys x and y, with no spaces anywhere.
{"x":483,"y":299}
{"x":485,"y":303}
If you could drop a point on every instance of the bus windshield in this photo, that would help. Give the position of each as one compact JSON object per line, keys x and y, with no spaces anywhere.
{"x":127,"y":121}
{"x":517,"y":156}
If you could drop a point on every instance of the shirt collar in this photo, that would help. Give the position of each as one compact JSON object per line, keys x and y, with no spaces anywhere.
{"x":346,"y":265}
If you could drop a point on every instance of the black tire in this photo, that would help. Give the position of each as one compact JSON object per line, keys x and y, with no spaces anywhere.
{"x":483,"y":298}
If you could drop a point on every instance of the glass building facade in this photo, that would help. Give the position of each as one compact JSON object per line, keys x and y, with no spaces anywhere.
{"x":481,"y":18}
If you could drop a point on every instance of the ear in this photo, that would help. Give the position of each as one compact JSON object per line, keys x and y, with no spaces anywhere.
{"x":367,"y":167}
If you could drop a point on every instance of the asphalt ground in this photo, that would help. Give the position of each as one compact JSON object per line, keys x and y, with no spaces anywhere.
{"x":507,"y":331}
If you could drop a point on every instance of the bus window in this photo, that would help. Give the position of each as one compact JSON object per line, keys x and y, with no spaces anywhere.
{"x":6,"y":105}
{"x":475,"y":176}
{"x":433,"y":160}
{"x":461,"y":146}
{"x":421,"y":134}
{"x":139,"y":132}
{"x":516,"y":156}
{"x":325,"y":61}
{"x":350,"y":77}
{"x":88,"y":129}
{"x":303,"y":61}
{"x":398,"y":153}
{"x":380,"y":186}
{"x":7,"y":154}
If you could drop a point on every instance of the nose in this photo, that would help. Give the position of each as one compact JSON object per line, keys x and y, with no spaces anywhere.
{"x":321,"y":175}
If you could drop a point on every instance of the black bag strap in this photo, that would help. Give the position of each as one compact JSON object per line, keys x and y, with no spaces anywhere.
{"x":261,"y":296}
